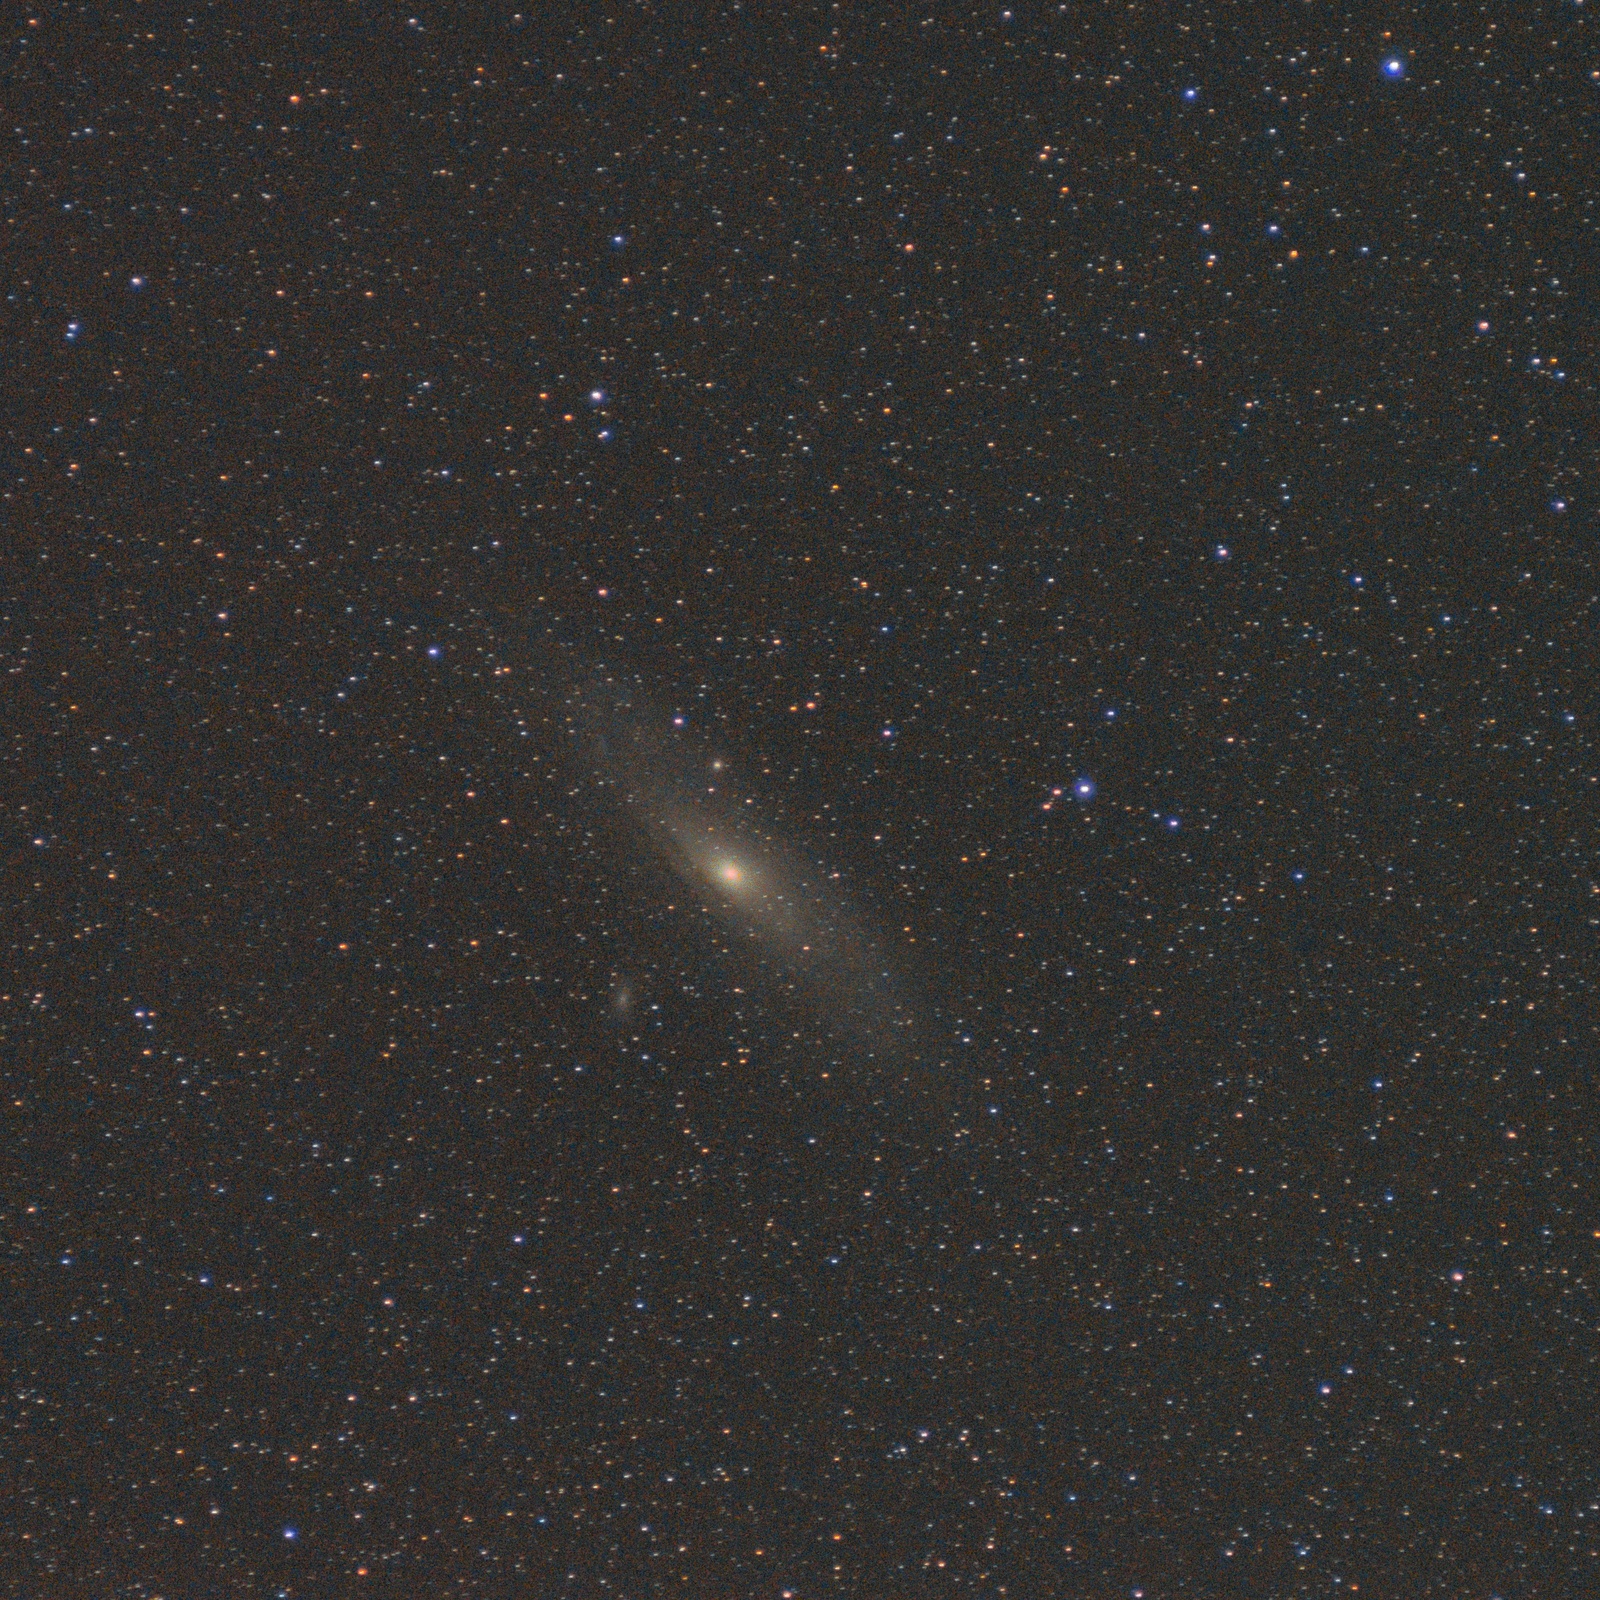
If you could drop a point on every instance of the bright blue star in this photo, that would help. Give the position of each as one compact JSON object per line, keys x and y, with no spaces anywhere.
{"x":291,"y":1533}
{"x":435,"y":651}
{"x":1083,"y":790}
{"x":1191,"y":94}
{"x":1394,"y":67}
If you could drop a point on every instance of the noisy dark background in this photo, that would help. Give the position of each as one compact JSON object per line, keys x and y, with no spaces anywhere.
{"x":1113,"y":484}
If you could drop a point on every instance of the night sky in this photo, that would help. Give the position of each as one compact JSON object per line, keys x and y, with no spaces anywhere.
{"x":801,"y":801}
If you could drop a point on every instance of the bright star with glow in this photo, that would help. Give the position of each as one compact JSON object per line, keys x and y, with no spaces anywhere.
{"x":1394,"y":67}
{"x":1083,"y":789}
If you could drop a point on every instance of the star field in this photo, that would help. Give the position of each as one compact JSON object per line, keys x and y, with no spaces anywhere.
{"x":800,"y":802}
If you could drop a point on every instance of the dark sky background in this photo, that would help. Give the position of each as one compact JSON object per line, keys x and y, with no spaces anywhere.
{"x":1097,"y":502}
